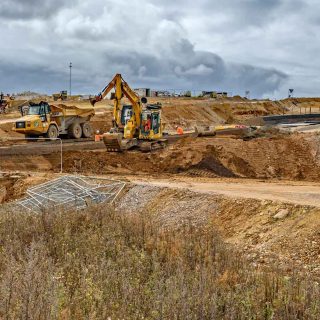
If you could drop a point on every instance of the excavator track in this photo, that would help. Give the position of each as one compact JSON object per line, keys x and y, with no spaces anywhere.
{"x":148,"y":146}
{"x":115,"y":143}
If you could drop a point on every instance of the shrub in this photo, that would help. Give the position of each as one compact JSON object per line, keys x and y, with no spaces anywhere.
{"x":100,"y":263}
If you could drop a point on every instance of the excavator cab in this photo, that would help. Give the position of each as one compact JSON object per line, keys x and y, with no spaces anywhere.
{"x":126,"y":114}
{"x":151,"y":123}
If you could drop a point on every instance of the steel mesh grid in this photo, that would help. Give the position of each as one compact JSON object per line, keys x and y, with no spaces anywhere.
{"x":71,"y":192}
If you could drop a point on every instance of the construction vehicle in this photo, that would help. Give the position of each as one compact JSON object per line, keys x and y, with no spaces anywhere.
{"x":136,"y":125}
{"x":3,"y":104}
{"x":63,"y":95}
{"x":53,"y":121}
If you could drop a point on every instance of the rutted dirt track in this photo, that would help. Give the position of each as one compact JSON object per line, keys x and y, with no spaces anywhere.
{"x":299,"y":193}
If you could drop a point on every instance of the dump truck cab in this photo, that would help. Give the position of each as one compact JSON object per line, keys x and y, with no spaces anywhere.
{"x":37,"y":120}
{"x":52,"y":121}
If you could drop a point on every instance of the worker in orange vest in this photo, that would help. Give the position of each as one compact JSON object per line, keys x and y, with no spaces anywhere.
{"x":179,"y":130}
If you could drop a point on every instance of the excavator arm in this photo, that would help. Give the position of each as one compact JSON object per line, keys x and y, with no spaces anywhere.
{"x":135,"y":101}
{"x":106,"y":90}
{"x":121,"y":89}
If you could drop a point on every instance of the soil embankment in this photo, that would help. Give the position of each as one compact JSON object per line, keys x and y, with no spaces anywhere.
{"x":293,"y":157}
{"x":267,"y":231}
{"x":290,"y":157}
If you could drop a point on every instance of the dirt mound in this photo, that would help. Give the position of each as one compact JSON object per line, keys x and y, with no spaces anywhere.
{"x":14,"y":186}
{"x":191,"y":112}
{"x":283,"y":157}
{"x":288,"y":157}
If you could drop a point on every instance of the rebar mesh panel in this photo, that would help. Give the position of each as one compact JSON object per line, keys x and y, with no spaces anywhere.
{"x":71,"y":192}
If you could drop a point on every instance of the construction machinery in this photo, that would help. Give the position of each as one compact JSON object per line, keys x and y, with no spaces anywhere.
{"x":63,"y":95}
{"x":3,"y":104}
{"x":136,"y":125}
{"x":53,"y":121}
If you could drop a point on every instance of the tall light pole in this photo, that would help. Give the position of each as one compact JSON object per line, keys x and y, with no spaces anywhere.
{"x":70,"y":66}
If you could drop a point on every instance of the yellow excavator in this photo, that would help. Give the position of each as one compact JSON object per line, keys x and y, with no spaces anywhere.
{"x":137,"y":125}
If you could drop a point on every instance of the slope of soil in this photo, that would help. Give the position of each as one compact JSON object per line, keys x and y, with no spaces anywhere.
{"x":267,"y":231}
{"x":14,"y":186}
{"x":288,"y":157}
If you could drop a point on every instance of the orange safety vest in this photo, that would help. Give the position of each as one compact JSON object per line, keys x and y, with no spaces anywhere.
{"x":179,"y":130}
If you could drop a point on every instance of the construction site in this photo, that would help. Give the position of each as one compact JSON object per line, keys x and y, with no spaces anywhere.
{"x":249,"y":168}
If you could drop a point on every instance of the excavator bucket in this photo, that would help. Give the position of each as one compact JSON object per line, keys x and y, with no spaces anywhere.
{"x":112,"y":142}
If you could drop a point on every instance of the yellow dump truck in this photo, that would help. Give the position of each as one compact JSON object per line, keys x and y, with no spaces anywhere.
{"x":53,"y":121}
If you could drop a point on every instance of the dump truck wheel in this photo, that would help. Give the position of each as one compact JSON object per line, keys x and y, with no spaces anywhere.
{"x":52,"y":132}
{"x":87,"y":130}
{"x":75,"y":131}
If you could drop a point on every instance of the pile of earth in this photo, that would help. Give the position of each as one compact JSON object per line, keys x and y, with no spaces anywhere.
{"x":293,"y":157}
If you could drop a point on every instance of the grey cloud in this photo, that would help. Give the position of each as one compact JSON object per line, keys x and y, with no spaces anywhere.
{"x":28,"y":9}
{"x":244,"y":13}
{"x":34,"y":78}
{"x":160,"y":44}
{"x":189,"y":69}
{"x":193,"y":71}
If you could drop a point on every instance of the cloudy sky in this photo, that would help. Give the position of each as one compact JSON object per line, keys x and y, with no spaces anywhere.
{"x":265,"y":46}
